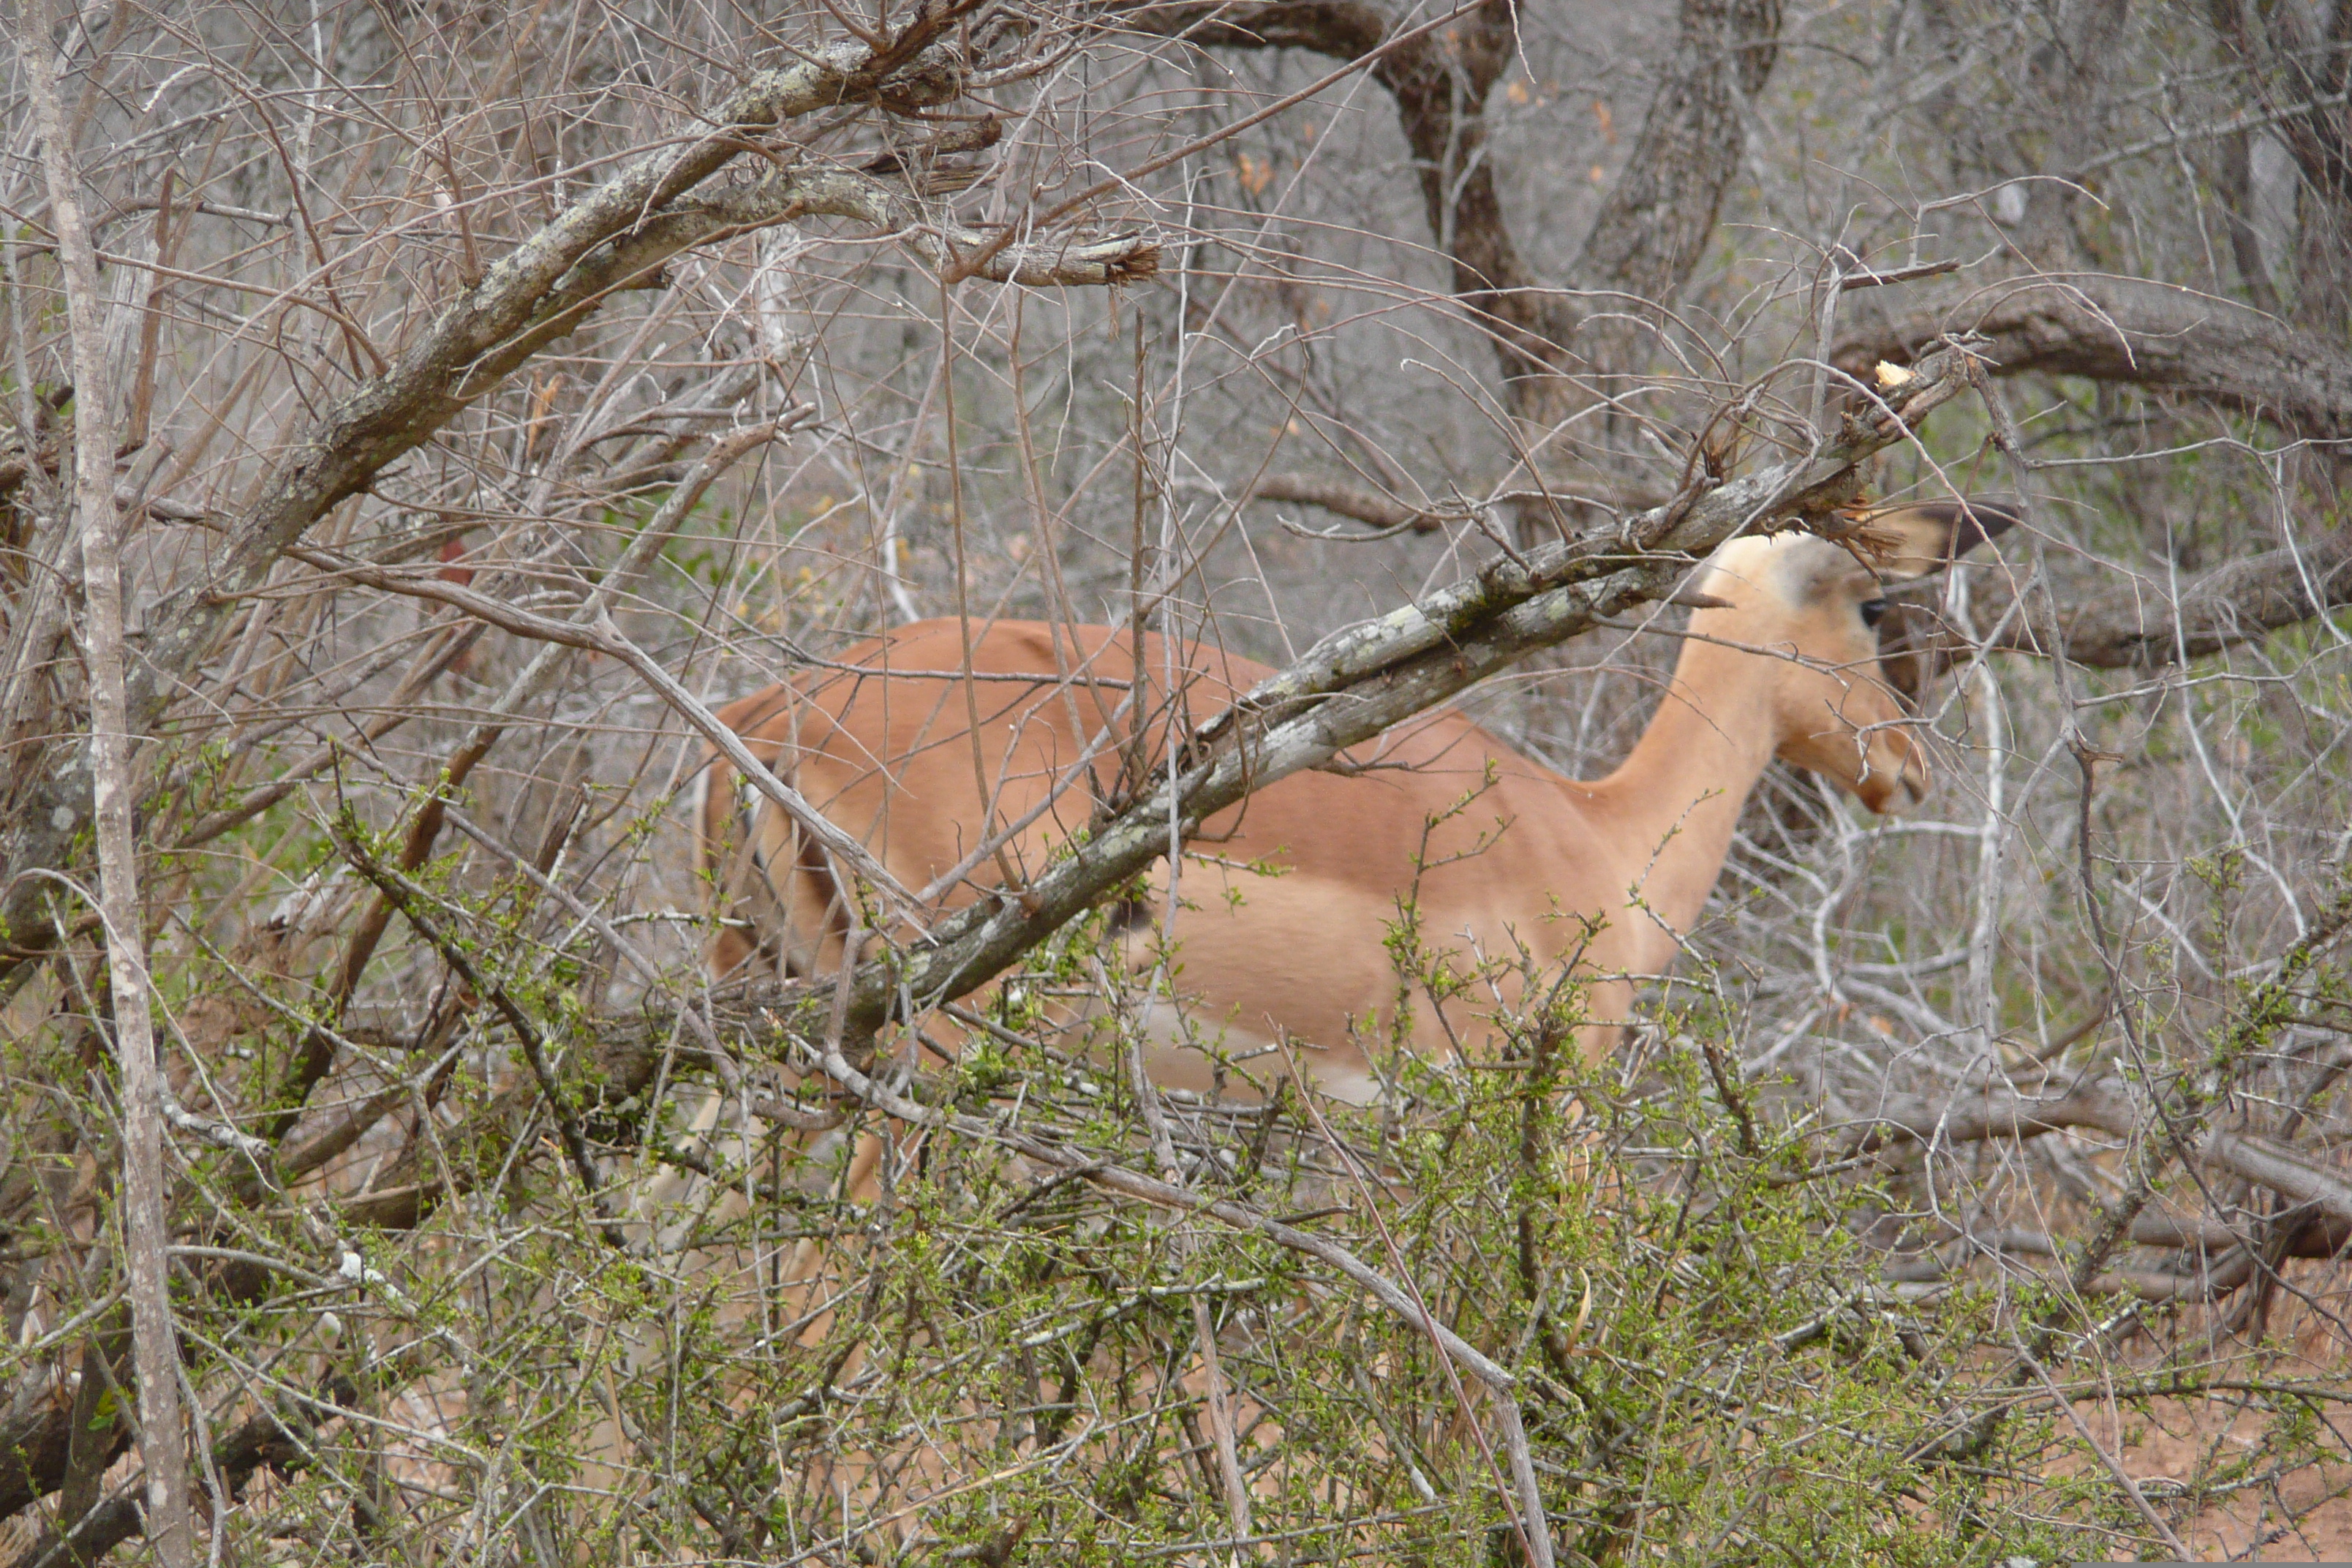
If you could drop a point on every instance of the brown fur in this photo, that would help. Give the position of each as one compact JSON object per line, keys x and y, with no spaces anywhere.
{"x":1611,"y":871}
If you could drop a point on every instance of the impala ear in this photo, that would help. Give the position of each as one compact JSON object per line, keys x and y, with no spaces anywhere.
{"x":1914,"y":541}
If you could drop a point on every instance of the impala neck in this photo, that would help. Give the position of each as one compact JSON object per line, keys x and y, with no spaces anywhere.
{"x":1676,"y":800}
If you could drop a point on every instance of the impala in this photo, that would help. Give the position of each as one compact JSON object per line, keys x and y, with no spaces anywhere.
{"x":1285,"y":910}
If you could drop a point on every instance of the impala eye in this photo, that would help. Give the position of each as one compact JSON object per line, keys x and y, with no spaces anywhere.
{"x":1873,"y":612}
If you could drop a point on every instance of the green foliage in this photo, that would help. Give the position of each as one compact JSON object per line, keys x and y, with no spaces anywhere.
{"x":875,"y":1345}
{"x":981,"y":1361}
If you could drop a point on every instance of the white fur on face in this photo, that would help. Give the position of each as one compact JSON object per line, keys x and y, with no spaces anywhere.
{"x":1793,"y":568}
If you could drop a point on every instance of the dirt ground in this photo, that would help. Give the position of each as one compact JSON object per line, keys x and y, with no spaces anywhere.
{"x":2298,"y":1515}
{"x":2304,"y":1516}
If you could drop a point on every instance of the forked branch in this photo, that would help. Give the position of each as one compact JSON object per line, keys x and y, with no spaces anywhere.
{"x":2147,"y":624}
{"x":2141,"y":334}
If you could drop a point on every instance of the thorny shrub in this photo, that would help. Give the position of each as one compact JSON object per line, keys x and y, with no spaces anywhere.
{"x":971,"y":1359}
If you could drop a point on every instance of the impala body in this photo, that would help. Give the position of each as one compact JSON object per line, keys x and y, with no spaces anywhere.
{"x":1493,"y":850}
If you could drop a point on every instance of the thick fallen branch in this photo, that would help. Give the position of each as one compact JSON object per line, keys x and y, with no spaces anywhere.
{"x":2177,"y":1125}
{"x":2130,"y":330}
{"x":2217,"y":1271}
{"x":2104,"y":1106}
{"x":2148,"y":624}
{"x":2179,"y":1121}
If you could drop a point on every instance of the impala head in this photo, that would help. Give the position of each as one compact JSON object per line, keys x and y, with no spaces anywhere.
{"x":1833,"y":709}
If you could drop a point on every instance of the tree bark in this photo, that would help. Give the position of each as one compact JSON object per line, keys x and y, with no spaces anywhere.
{"x":2131,"y":330}
{"x":1652,"y":231}
{"x":2147,"y":624}
{"x":162,"y":1443}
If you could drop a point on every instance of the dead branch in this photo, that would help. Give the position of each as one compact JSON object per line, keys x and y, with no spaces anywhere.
{"x":2148,"y":623}
{"x":1360,"y":502}
{"x":2105,"y":1106}
{"x":2138,"y":332}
